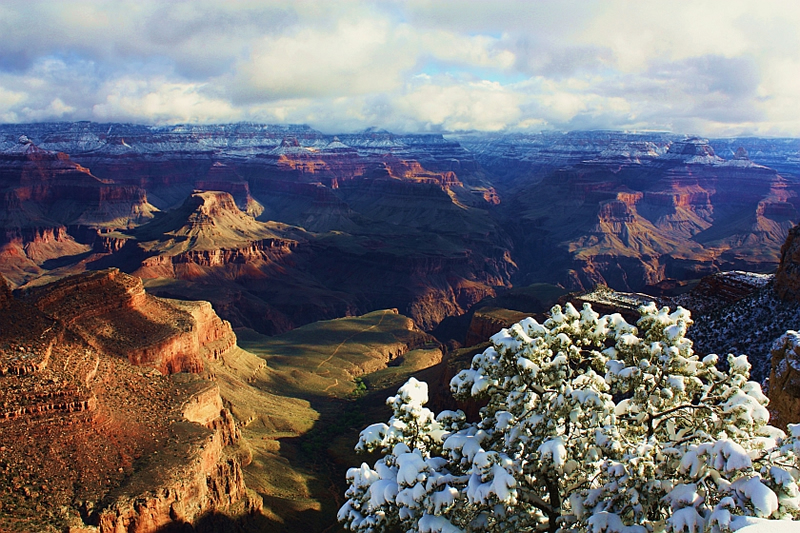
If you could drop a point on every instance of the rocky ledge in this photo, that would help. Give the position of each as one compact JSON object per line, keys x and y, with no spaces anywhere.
{"x":784,"y":380}
{"x":112,"y":313}
{"x":95,"y":436}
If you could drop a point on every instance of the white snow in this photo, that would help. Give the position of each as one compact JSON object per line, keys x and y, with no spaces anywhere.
{"x":749,"y":524}
{"x":554,"y":450}
{"x":763,"y":499}
{"x":436,"y":524}
{"x":660,"y":434}
{"x":411,"y":468}
{"x":683,"y":495}
{"x":687,"y":520}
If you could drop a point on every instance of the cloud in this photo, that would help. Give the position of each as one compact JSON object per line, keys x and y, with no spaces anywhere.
{"x":452,"y":106}
{"x":8,"y":103}
{"x":353,"y":57}
{"x":419,"y":64}
{"x":162,"y":102}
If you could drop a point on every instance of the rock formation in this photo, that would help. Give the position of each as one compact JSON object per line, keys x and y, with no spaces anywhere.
{"x":273,"y":277}
{"x":48,"y":189}
{"x":578,"y":209}
{"x":677,"y":214}
{"x":784,"y":380}
{"x":489,"y":320}
{"x":53,"y":207}
{"x":112,"y":313}
{"x":95,"y":436}
{"x":719,"y":290}
{"x":787,"y":277}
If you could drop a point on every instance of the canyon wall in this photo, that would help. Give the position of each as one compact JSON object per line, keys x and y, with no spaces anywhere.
{"x":105,"y":431}
{"x":577,"y":209}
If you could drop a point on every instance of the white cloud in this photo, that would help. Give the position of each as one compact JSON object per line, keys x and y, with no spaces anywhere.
{"x":161,"y":102}
{"x":467,"y":50}
{"x":56,"y":109}
{"x":459,"y":106}
{"x":713,"y":66}
{"x":354,"y":57}
{"x":9,"y":99}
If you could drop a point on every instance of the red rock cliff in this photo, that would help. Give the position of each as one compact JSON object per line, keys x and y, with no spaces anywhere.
{"x":113,"y":313}
{"x":93,"y":443}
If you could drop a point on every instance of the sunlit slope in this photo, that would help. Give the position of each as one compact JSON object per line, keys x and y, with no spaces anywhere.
{"x":296,"y":393}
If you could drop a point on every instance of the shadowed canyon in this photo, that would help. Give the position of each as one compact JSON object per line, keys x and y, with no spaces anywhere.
{"x":196,"y":321}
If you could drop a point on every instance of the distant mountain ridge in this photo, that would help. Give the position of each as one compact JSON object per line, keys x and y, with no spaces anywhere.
{"x":632,"y":220}
{"x":428,"y":223}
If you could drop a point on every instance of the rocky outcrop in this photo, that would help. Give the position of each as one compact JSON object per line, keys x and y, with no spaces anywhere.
{"x":784,"y":380}
{"x":209,"y":231}
{"x":222,"y":177}
{"x":413,"y":171}
{"x":268,"y":250}
{"x":680,"y":213}
{"x":45,"y":188}
{"x":208,"y":478}
{"x":607,"y":301}
{"x":101,"y":443}
{"x":719,"y":290}
{"x":329,"y":165}
{"x":214,"y":336}
{"x":51,"y":207}
{"x":113,"y":313}
{"x":787,"y":277}
{"x":489,"y":320}
{"x":88,"y":295}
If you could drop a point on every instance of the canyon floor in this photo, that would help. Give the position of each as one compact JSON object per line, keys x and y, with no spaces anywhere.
{"x":256,"y":438}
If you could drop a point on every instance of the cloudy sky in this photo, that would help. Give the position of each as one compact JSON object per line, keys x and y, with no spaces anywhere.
{"x":726,"y":67}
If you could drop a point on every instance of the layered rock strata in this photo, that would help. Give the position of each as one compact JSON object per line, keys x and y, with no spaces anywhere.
{"x":93,"y":441}
{"x":679,"y":214}
{"x":113,"y":313}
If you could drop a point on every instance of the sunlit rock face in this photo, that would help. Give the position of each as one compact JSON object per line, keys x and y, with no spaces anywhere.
{"x":51,"y":207}
{"x":46,"y":188}
{"x":109,"y":420}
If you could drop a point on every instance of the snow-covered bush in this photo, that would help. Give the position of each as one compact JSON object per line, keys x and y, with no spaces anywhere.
{"x":592,"y":425}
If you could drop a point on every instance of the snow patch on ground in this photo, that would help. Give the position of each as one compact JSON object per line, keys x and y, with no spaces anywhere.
{"x":749,"y":326}
{"x":749,"y":524}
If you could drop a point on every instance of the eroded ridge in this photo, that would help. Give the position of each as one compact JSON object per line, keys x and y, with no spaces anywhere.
{"x":101,"y":426}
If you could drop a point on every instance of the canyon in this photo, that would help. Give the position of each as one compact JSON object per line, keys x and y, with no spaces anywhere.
{"x":103,"y":429}
{"x":122,"y":411}
{"x":427,"y":223}
{"x":382,"y":221}
{"x":195,"y":321}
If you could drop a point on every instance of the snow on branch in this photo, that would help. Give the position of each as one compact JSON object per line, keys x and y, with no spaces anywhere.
{"x":592,"y":425}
